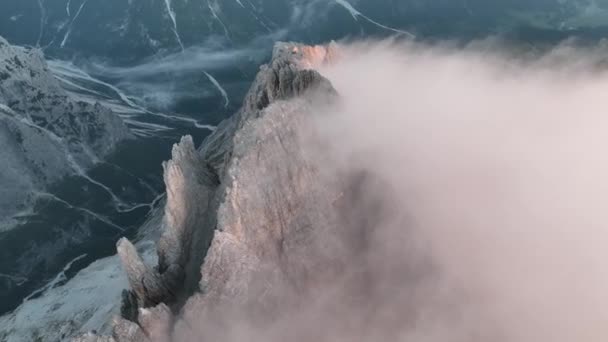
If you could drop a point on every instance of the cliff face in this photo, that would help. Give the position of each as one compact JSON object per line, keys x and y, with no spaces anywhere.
{"x":242,"y":212}
{"x":44,"y":133}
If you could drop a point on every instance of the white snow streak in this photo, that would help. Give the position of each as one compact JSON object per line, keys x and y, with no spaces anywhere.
{"x":194,"y":122}
{"x":42,"y":21}
{"x":17,"y":279}
{"x":76,"y":86}
{"x":253,"y":11}
{"x":219,"y":87}
{"x":141,"y":181}
{"x":6,"y":109}
{"x":214,"y":14}
{"x":58,"y":278}
{"x":84,"y":210}
{"x":148,"y":125}
{"x":174,"y":21}
{"x":69,"y":71}
{"x":119,"y":205}
{"x":69,"y":31}
{"x":356,"y":15}
{"x":67,"y":7}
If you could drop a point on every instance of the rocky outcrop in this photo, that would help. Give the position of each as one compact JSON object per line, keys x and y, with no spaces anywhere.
{"x":45,"y":134}
{"x":288,"y":75}
{"x":189,"y":188}
{"x":238,"y":209}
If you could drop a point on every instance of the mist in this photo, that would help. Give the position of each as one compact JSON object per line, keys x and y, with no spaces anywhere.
{"x":500,"y":163}
{"x":165,"y":80}
{"x":475,"y":201}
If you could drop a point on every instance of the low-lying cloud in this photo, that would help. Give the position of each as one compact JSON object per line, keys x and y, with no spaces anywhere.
{"x":499,"y":163}
{"x":480,"y":212}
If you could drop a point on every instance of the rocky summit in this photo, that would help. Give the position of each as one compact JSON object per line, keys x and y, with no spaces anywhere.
{"x":237,"y":209}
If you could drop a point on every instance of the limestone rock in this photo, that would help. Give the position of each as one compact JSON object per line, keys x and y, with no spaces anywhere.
{"x":187,"y":196}
{"x":157,"y":322}
{"x":127,"y":331}
{"x":241,"y":207}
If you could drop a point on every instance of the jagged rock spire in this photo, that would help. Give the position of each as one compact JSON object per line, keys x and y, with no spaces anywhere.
{"x":199,"y":184}
{"x":152,"y":286}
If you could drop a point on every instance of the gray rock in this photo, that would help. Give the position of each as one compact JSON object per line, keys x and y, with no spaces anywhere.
{"x":187,"y":182}
{"x":188,"y":186}
{"x":274,"y":202}
{"x":45,"y":134}
{"x":157,"y":322}
{"x":285,"y":77}
{"x":123,"y":331}
{"x":238,"y":208}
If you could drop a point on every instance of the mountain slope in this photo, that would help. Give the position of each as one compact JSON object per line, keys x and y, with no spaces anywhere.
{"x":46,"y":134}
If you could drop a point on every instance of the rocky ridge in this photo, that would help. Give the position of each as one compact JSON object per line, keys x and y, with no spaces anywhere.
{"x":45,"y":134}
{"x":238,"y":209}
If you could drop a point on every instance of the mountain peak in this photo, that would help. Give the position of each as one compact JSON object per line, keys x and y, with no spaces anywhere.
{"x":209,"y":244}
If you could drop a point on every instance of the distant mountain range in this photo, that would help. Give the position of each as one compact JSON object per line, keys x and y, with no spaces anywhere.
{"x":46,"y":134}
{"x":128,"y":31}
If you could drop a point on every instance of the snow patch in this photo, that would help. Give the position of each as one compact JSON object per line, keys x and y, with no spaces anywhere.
{"x":84,"y":303}
{"x":58,"y":278}
{"x":69,"y":31}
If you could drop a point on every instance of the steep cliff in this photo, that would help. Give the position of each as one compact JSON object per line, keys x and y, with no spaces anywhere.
{"x":242,"y":211}
{"x":44,"y":133}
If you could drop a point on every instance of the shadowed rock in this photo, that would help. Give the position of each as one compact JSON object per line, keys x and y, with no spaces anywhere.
{"x":186,"y":193}
{"x":185,"y":183}
{"x":146,"y":283}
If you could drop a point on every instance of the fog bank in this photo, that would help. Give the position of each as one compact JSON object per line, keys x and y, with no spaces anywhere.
{"x":473,"y":204}
{"x":499,"y":163}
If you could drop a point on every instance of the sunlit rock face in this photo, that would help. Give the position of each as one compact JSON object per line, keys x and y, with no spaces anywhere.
{"x":46,"y":135}
{"x":188,"y":191}
{"x":241,"y":212}
{"x":273,"y":193}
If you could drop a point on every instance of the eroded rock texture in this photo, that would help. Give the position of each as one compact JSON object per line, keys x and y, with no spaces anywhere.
{"x":242,"y":211}
{"x":44,"y":134}
{"x":189,"y":188}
